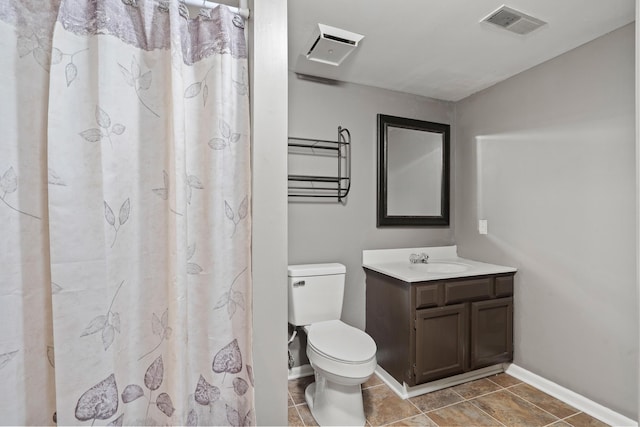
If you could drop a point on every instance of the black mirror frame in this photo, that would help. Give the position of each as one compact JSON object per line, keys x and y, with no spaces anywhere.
{"x":383,"y":219}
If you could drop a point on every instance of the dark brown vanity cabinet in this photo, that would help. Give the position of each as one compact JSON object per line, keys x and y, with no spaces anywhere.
{"x":431,"y":330}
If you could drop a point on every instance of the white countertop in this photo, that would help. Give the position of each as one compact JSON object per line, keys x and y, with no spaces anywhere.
{"x":444,"y":263}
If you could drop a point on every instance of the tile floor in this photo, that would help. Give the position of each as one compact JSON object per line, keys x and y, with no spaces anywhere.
{"x":499,"y":400}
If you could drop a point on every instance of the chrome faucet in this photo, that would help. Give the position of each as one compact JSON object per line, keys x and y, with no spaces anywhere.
{"x":420,"y":258}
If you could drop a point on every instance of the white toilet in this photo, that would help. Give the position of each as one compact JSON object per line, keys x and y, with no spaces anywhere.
{"x":342,"y":357}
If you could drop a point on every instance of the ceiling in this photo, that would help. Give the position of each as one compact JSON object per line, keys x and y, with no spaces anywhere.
{"x":438,"y":48}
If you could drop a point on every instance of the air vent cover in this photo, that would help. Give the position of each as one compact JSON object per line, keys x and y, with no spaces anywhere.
{"x":513,"y":20}
{"x":330,"y":45}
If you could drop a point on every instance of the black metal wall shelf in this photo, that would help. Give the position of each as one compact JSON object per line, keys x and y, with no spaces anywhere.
{"x":325,"y":186}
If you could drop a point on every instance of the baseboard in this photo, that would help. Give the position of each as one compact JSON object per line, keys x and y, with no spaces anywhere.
{"x":404,"y":391}
{"x":300,"y":371}
{"x":574,"y":399}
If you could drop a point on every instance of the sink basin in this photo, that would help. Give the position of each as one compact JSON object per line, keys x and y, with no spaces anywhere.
{"x":440,"y":267}
{"x":444,"y":263}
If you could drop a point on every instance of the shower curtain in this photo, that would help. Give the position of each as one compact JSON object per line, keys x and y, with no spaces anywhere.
{"x":125,"y":270}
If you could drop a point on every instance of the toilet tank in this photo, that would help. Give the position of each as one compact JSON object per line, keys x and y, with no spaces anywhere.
{"x":315,"y":292}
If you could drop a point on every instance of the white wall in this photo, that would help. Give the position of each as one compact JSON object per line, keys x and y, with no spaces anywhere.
{"x":268,"y":63}
{"x":548,"y":158}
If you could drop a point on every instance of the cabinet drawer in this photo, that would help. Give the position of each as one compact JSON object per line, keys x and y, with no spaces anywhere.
{"x":428,"y":295}
{"x":467,"y":290}
{"x":504,"y":286}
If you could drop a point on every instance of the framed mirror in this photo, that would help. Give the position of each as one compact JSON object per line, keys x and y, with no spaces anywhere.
{"x":413,"y":172}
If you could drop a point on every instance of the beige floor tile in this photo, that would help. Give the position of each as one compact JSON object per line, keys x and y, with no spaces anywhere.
{"x":290,"y":402}
{"x":294,"y":418}
{"x":417,"y":421}
{"x":543,"y":400}
{"x":461,"y":414}
{"x":437,"y":399}
{"x":373,"y":381}
{"x":489,"y":405}
{"x":383,"y":406}
{"x":584,"y":420}
{"x":476,"y":388}
{"x":307,"y":417}
{"x":504,"y":380}
{"x":297,"y":388}
{"x":511,"y":410}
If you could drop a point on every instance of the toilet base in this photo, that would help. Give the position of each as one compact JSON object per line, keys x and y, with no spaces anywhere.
{"x":333,"y":404}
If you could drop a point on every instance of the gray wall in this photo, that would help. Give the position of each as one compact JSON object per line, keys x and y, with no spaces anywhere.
{"x":333,"y":232}
{"x":548,"y":158}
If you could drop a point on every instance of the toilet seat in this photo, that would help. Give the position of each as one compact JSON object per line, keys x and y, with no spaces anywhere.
{"x":339,"y":342}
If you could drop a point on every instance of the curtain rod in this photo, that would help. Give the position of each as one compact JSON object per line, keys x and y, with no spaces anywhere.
{"x":243,"y":10}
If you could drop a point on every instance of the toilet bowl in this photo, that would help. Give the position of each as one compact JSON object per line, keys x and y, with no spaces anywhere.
{"x":342,"y":358}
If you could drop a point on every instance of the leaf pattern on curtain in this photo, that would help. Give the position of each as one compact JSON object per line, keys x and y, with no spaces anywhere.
{"x":228,"y":359}
{"x":123,"y":216}
{"x":38,"y":47}
{"x":138,"y":80}
{"x":9,"y":185}
{"x":108,"y":324}
{"x":242,"y":87}
{"x":100,"y":402}
{"x":239,"y":215}
{"x":71,"y":69}
{"x":192,"y":267}
{"x":160,"y":327}
{"x":177,"y":336}
{"x":228,"y":137}
{"x":193,"y":183}
{"x":206,"y":393}
{"x":43,"y":54}
{"x":104,"y":130}
{"x":232,"y":299}
{"x":165,"y":191}
{"x":198,"y":87}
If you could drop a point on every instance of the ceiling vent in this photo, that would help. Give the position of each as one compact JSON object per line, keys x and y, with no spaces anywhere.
{"x":513,"y":20}
{"x":330,"y":45}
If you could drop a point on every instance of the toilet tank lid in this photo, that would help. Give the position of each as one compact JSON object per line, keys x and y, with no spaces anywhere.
{"x":302,"y":270}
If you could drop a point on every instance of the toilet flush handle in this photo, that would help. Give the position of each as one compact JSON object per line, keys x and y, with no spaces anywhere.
{"x":298,"y":283}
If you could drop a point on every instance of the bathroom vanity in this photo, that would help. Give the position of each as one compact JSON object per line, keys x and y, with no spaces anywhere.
{"x":439,"y":318}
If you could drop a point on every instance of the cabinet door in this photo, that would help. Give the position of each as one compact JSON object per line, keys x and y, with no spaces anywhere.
{"x":491,"y":332}
{"x":441,"y":342}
